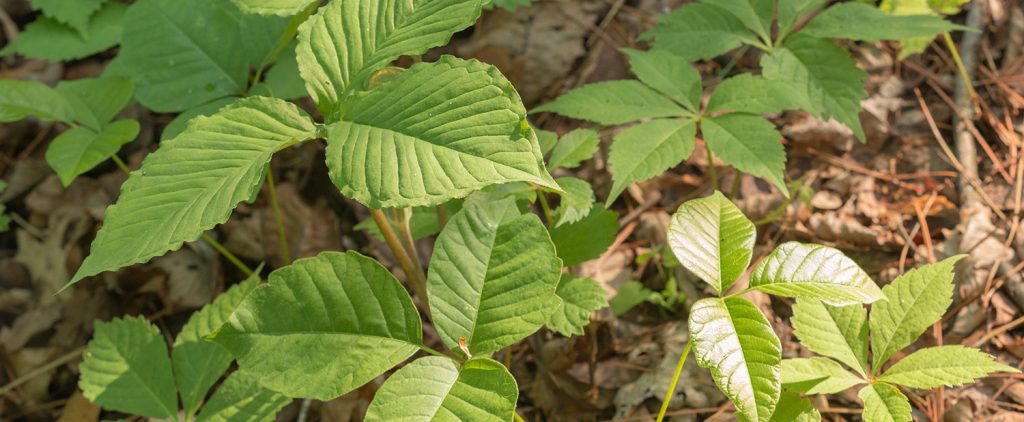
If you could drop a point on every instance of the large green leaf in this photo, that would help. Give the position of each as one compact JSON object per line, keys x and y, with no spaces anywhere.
{"x":734,"y":340}
{"x":949,"y":366}
{"x":756,"y":15}
{"x":97,"y":101}
{"x":815,"y":272}
{"x":574,"y":148}
{"x":793,"y":408}
{"x":492,"y":277}
{"x":790,"y":11}
{"x":434,"y":388}
{"x":577,"y":200}
{"x":241,"y":399}
{"x":613,"y":103}
{"x":198,"y":362}
{"x":668,"y":73}
{"x":857,"y":21}
{"x":180,"y":122}
{"x":323,"y":326}
{"x":272,"y":7}
{"x":586,"y":239}
{"x":824,"y":74}
{"x":20,"y":99}
{"x":126,"y":369}
{"x":346,"y":41}
{"x":837,"y":332}
{"x":194,"y":181}
{"x":580,"y":297}
{"x":884,"y":403}
{"x":817,"y":376}
{"x":916,"y":300}
{"x":699,"y":31}
{"x":754,"y":94}
{"x":48,"y":39}
{"x":435,"y":132}
{"x":713,"y":239}
{"x":750,"y":144}
{"x":647,"y":150}
{"x":79,"y":149}
{"x":75,"y":14}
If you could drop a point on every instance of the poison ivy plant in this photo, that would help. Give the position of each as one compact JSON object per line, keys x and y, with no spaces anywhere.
{"x":69,"y":30}
{"x":728,"y":334}
{"x":915,"y":301}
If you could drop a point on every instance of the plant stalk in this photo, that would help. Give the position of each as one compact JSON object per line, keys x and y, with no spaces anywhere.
{"x":120,"y":164}
{"x":547,"y":208}
{"x":282,"y":43}
{"x":712,"y":171}
{"x":228,"y":255}
{"x":675,"y":380}
{"x":401,"y":221}
{"x":277,"y":217}
{"x":416,"y":279}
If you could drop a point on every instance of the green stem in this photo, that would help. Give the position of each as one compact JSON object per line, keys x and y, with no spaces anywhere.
{"x":416,"y":279}
{"x":277,"y":217}
{"x":227,"y":254}
{"x":959,"y":65}
{"x":735,"y":184}
{"x":401,"y":221}
{"x":675,"y":380}
{"x":544,"y":206}
{"x":518,"y":418}
{"x":120,"y":164}
{"x":282,"y":43}
{"x":431,"y":351}
{"x":712,"y":171}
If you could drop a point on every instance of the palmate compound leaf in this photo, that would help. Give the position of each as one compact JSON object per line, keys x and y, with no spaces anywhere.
{"x":580,"y":297}
{"x":648,"y":149}
{"x":817,"y":376}
{"x":435,"y":388}
{"x":240,"y":398}
{"x":347,"y":41}
{"x":126,"y":369}
{"x":574,"y":148}
{"x":884,"y":403}
{"x":492,"y":277}
{"x":949,"y":366}
{"x":825,"y":76}
{"x":344,"y":314}
{"x":815,"y":272}
{"x":198,"y":362}
{"x":435,"y":132}
{"x":272,"y":7}
{"x":20,"y":99}
{"x":750,"y":144}
{"x":79,"y":149}
{"x":712,"y":239}
{"x":837,"y":332}
{"x":577,"y":200}
{"x":668,"y":73}
{"x":699,"y":31}
{"x":194,"y":181}
{"x":734,"y":340}
{"x":48,"y":39}
{"x":915,"y":300}
{"x":858,"y":21}
{"x":613,"y":103}
{"x":753,"y":94}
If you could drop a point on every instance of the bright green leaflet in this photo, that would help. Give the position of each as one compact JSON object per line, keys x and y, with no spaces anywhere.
{"x":194,"y":181}
{"x":752,"y":94}
{"x":884,"y":403}
{"x":748,"y":143}
{"x":347,"y":317}
{"x":909,"y":46}
{"x":837,"y":332}
{"x":181,"y":121}
{"x":126,"y":369}
{"x":756,"y":15}
{"x":47,"y":39}
{"x":492,"y":277}
{"x":435,"y":388}
{"x":793,"y":408}
{"x":668,"y":73}
{"x":346,"y":41}
{"x":864,"y":22}
{"x":79,"y":149}
{"x":631,"y":294}
{"x":574,"y":148}
{"x":817,"y":376}
{"x":272,"y":7}
{"x":813,"y":271}
{"x":436,"y":132}
{"x":613,"y":103}
{"x":949,"y":366}
{"x":699,"y":31}
{"x":20,"y":99}
{"x":547,"y":140}
{"x":580,"y":297}
{"x":75,"y":14}
{"x":916,"y":300}
{"x":648,"y":149}
{"x":577,"y":201}
{"x":713,"y":239}
{"x":734,"y":340}
{"x":586,"y":239}
{"x":199,"y":363}
{"x":241,"y":399}
{"x":791,"y":10}
{"x":97,"y":101}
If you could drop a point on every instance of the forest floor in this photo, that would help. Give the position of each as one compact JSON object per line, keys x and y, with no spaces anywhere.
{"x":892,"y":203}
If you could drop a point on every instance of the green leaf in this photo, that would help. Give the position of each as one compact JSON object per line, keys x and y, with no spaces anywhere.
{"x":241,"y":399}
{"x":699,"y":31}
{"x":580,"y":297}
{"x":812,"y":271}
{"x":510,"y":5}
{"x":712,"y":239}
{"x":20,"y":99}
{"x":755,"y":95}
{"x":884,"y":403}
{"x":47,"y":39}
{"x":272,"y":7}
{"x":647,"y":150}
{"x":916,"y":300}
{"x":79,"y":149}
{"x":949,"y":366}
{"x":734,"y":340}
{"x":756,"y":15}
{"x":837,"y":332}
{"x":817,"y":376}
{"x":793,"y":408}
{"x":863,"y":22}
{"x":347,"y":41}
{"x":492,"y":277}
{"x":180,"y":122}
{"x":194,"y":181}
{"x":435,"y":132}
{"x":433,"y":388}
{"x":282,"y":80}
{"x":613,"y":103}
{"x":577,"y":200}
{"x":824,"y":74}
{"x":75,"y":14}
{"x":631,"y":294}
{"x":97,"y":101}
{"x":547,"y":140}
{"x":586,"y":239}
{"x":574,"y":148}
{"x":909,"y":46}
{"x":750,"y":144}
{"x":199,"y":363}
{"x":791,"y":10}
{"x":346,"y":316}
{"x":668,"y":73}
{"x":126,"y":369}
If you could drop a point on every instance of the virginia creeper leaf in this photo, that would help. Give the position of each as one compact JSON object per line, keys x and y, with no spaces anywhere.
{"x":48,"y":39}
{"x":817,"y":376}
{"x":750,"y":144}
{"x":754,"y":94}
{"x":712,"y":239}
{"x":580,"y":297}
{"x":949,"y":366}
{"x":586,"y":239}
{"x":241,"y":399}
{"x":20,"y":99}
{"x":574,"y":148}
{"x":756,"y":15}
{"x":816,"y":272}
{"x":837,"y":332}
{"x":699,"y":31}
{"x":858,"y":21}
{"x":668,"y":73}
{"x":79,"y":149}
{"x":648,"y":149}
{"x":884,"y":403}
{"x":577,"y":200}
{"x":791,"y":10}
{"x":613,"y":103}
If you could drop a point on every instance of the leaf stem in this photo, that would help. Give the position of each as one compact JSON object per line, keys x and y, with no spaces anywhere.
{"x":227,"y":254}
{"x":675,"y":380}
{"x":432,"y":351}
{"x":282,"y":43}
{"x":120,"y":164}
{"x":517,"y":417}
{"x":960,"y":65}
{"x":544,"y":206}
{"x":712,"y":171}
{"x":401,"y":221}
{"x":416,"y":279}
{"x":277,"y":217}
